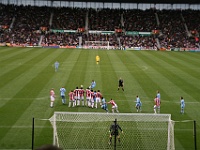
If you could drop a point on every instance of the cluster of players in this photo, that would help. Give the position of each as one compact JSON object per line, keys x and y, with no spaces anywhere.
{"x":78,"y":95}
{"x":156,"y":107}
{"x":95,"y":99}
{"x":157,"y":103}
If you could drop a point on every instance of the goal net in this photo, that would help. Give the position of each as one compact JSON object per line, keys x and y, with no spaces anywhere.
{"x":97,"y":45}
{"x":84,"y":130}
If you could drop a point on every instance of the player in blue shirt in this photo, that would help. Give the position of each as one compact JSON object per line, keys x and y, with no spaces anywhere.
{"x":92,"y":85}
{"x":104,"y":104}
{"x":56,"y":65}
{"x":138,"y":104}
{"x":62,"y":94}
{"x":158,"y":95}
{"x":182,"y":103}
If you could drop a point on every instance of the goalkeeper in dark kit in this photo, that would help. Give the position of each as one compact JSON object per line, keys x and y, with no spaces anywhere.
{"x":114,"y":131}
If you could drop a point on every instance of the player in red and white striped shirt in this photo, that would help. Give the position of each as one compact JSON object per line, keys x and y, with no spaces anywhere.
{"x":93,"y":98}
{"x":114,"y":106}
{"x":81,"y":92}
{"x":88,"y":97}
{"x":52,"y":97}
{"x":77,"y":96}
{"x":71,"y":98}
{"x":157,"y":105}
{"x":98,"y":98}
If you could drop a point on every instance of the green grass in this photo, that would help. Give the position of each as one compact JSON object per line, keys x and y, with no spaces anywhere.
{"x":27,"y":75}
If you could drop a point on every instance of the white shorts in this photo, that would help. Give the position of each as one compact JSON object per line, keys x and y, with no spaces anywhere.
{"x":114,"y":107}
{"x":76,"y":97}
{"x":88,"y":98}
{"x":52,"y":98}
{"x":98,"y":100}
{"x":92,"y":100}
{"x":156,"y":107}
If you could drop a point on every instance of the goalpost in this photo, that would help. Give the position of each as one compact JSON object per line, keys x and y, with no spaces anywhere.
{"x":97,"y":45}
{"x":90,"y":130}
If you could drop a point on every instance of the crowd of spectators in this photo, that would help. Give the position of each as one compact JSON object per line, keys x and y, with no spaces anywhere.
{"x":61,"y":39}
{"x":24,"y":24}
{"x":145,"y":42}
{"x":174,"y":32}
{"x":139,"y":20}
{"x":104,"y":19}
{"x":30,"y":25}
{"x":68,"y":18}
{"x":7,"y":13}
{"x":191,"y":18}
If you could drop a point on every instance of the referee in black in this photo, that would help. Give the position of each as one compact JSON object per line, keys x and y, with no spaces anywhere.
{"x":121,"y":84}
{"x":114,"y":131}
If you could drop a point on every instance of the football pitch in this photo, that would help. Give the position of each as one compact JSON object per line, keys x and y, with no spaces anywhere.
{"x":28,"y":74}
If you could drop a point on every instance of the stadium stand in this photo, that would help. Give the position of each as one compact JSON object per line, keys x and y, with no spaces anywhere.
{"x":150,"y":28}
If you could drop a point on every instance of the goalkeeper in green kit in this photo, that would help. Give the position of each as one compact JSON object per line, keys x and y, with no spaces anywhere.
{"x":114,"y":131}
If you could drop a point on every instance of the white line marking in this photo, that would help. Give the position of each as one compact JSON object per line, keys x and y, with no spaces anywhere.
{"x":120,"y":100}
{"x":144,"y":68}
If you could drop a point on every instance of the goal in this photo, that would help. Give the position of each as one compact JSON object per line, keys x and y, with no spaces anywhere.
{"x":86,"y":130}
{"x":97,"y":45}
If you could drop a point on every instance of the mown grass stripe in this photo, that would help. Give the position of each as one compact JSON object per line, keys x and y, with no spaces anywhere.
{"x":144,"y":74}
{"x":185,"y":58}
{"x":49,"y":70}
{"x":17,"y":58}
{"x":73,"y":77}
{"x":89,"y":63}
{"x":122,"y":60}
{"x":57,"y":80}
{"x":125,"y":63}
{"x":187,"y":68}
{"x":16,"y":71}
{"x":96,"y":72}
{"x":165,"y":86}
{"x":15,"y":78}
{"x":167,"y":74}
{"x":6,"y":51}
{"x":153,"y":72}
{"x":190,"y":84}
{"x":143,"y":69}
{"x":116,"y":59}
{"x":26,"y":90}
